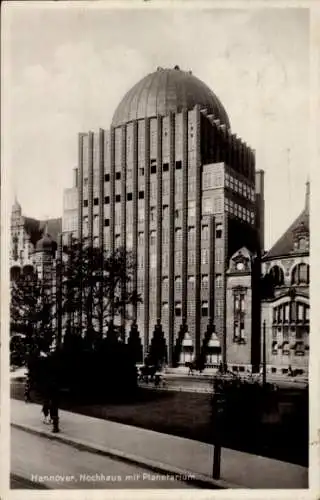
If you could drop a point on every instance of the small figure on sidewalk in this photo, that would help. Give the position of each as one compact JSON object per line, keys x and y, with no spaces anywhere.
{"x":54,"y":411}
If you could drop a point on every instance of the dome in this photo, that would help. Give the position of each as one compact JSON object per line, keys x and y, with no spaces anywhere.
{"x":167,"y":90}
{"x":45,"y":244}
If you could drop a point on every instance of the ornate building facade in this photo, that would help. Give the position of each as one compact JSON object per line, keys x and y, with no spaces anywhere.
{"x":33,"y":243}
{"x":285,"y":308}
{"x":173,"y":184}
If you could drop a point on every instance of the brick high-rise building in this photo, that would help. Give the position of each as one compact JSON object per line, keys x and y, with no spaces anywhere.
{"x":173,"y":184}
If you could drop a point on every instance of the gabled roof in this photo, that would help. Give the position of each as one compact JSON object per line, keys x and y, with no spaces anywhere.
{"x":285,"y":244}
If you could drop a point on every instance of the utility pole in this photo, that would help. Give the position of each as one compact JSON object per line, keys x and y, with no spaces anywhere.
{"x":264,"y":360}
{"x":217,"y":429}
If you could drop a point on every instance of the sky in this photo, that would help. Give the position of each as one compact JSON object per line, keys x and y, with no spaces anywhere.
{"x":67,"y":68}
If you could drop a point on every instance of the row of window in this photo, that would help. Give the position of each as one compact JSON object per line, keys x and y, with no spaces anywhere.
{"x":284,"y":332}
{"x":240,"y":187}
{"x":239,"y":211}
{"x":178,"y":234}
{"x":291,"y":313}
{"x":178,"y":308}
{"x":299,"y":275}
{"x":191,"y":280}
{"x":141,"y":170}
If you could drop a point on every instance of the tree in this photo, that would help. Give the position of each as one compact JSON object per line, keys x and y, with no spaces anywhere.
{"x":158,"y":349}
{"x":97,"y":287}
{"x":31,"y":311}
{"x":134,"y":343}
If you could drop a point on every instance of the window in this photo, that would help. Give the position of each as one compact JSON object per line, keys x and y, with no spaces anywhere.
{"x":106,"y":177}
{"x":166,"y":167}
{"x":85,"y":203}
{"x":191,"y":258}
{"x":178,"y":283}
{"x":152,"y":214}
{"x":107,"y":200}
{"x":207,"y":206}
{"x":141,"y":195}
{"x":205,"y":232}
{"x":141,"y":214}
{"x":205,"y":281}
{"x":204,"y":309}
{"x":178,"y":258}
{"x":141,"y":171}
{"x":118,"y":240}
{"x":165,"y":306}
{"x":191,"y":233}
{"x":141,"y":238}
{"x":165,"y":211}
{"x":129,"y":240}
{"x":192,"y":208}
{"x":165,"y":186}
{"x":302,"y":244}
{"x":129,"y":196}
{"x":218,"y":280}
{"x":277,"y":276}
{"x":178,"y":165}
{"x":165,"y":236}
{"x":140,"y":260}
{"x":153,"y":169}
{"x":165,"y":259}
{"x":153,"y":238}
{"x":165,"y":281}
{"x":178,"y":309}
{"x":153,"y":260}
{"x":300,"y":274}
{"x":118,"y":176}
{"x":219,"y":255}
{"x":118,"y":198}
{"x":178,"y":233}
{"x":191,"y":280}
{"x":204,"y":256}
{"x":96,"y":201}
{"x":177,"y":213}
{"x":106,"y":222}
{"x":219,"y":231}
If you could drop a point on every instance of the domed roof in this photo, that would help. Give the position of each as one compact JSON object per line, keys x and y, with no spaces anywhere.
{"x":167,"y":90}
{"x":46,"y":243}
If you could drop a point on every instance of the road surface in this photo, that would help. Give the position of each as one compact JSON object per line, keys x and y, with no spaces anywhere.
{"x":56,"y":465}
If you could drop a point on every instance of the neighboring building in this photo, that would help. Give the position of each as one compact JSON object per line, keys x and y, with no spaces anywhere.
{"x":172,"y":183}
{"x":33,"y":243}
{"x":285,"y":310}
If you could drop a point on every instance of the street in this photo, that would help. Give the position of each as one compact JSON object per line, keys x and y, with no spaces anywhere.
{"x":55,"y":465}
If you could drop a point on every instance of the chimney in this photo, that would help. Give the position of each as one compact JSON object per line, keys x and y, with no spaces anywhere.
{"x":307,"y":202}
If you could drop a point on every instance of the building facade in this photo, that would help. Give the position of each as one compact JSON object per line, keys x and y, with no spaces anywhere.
{"x":33,"y":242}
{"x":171,"y":183}
{"x":286,"y":308}
{"x":33,"y":251}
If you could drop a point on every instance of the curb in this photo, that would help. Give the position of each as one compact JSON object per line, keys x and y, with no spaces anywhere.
{"x":198,"y":480}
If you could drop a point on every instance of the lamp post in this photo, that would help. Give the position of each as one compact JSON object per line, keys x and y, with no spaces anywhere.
{"x":217,"y":423}
{"x":264,"y":360}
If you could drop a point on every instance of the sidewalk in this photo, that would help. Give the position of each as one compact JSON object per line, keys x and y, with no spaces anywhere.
{"x":161,"y":451}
